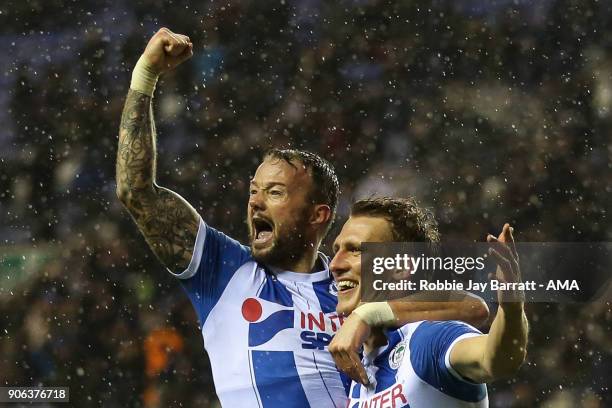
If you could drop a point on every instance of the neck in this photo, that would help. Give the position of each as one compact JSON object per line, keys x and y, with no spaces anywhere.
{"x":304,"y":264}
{"x":376,"y":339}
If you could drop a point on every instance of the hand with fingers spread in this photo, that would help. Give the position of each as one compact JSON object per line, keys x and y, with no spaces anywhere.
{"x":503,"y":250}
{"x":500,"y":353}
{"x":346,"y":346}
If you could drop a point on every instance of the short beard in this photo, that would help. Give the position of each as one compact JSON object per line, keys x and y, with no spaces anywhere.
{"x":285,"y":251}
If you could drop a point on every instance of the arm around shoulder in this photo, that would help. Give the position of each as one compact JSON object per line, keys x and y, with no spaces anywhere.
{"x":462,"y":306}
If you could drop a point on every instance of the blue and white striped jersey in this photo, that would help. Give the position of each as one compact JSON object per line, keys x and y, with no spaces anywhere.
{"x":413,"y":370}
{"x":266,"y":332}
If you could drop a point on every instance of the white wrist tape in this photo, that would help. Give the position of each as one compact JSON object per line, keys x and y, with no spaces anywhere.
{"x":376,"y":314}
{"x":144,"y":78}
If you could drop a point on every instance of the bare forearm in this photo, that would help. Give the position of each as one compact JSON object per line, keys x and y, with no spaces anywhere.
{"x":506,"y":346}
{"x":168,"y":223}
{"x":498,"y":354}
{"x":136,"y":153}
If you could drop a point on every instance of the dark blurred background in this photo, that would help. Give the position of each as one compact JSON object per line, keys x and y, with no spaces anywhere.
{"x":486,"y":111}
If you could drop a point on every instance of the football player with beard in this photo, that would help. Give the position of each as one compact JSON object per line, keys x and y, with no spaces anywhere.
{"x":267,"y":310}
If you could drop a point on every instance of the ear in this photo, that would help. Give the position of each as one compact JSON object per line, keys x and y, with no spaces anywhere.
{"x":320,"y":214}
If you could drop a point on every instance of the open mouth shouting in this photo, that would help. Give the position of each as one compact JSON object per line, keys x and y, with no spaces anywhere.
{"x":263,"y":232}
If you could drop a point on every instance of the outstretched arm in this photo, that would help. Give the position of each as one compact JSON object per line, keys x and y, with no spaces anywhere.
{"x":500,"y":353}
{"x":168,"y":222}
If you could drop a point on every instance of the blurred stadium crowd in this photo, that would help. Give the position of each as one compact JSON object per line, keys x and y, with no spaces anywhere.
{"x":485,"y":111}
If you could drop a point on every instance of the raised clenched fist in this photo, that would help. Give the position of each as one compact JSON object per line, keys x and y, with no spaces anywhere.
{"x":166,"y":50}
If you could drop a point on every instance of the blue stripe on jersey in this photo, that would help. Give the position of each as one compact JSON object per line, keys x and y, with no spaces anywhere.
{"x":277,"y":380}
{"x":274,"y":291}
{"x":428,"y":346}
{"x":346,"y":382}
{"x":327,"y":301}
{"x":221,"y":258}
{"x":261,"y":332}
{"x":356,"y":390}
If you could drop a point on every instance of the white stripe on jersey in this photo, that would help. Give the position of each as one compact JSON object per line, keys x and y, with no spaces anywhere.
{"x":266,"y":333}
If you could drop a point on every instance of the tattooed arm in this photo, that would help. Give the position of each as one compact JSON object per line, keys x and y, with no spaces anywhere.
{"x":168,"y":222}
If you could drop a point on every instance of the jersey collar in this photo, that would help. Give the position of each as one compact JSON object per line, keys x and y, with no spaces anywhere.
{"x":303,"y":277}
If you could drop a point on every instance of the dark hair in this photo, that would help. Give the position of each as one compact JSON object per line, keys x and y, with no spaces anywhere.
{"x":409,"y":221}
{"x":324,"y":180}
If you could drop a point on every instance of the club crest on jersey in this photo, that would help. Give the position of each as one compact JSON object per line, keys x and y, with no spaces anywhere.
{"x":396,"y":355}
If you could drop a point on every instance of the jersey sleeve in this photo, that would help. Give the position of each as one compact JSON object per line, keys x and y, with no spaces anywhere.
{"x":430,"y":347}
{"x":216,"y":257}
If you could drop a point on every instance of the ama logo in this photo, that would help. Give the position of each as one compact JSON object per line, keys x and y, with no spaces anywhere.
{"x":273,"y":311}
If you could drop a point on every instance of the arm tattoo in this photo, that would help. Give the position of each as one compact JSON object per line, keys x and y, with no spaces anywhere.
{"x":168,"y":222}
